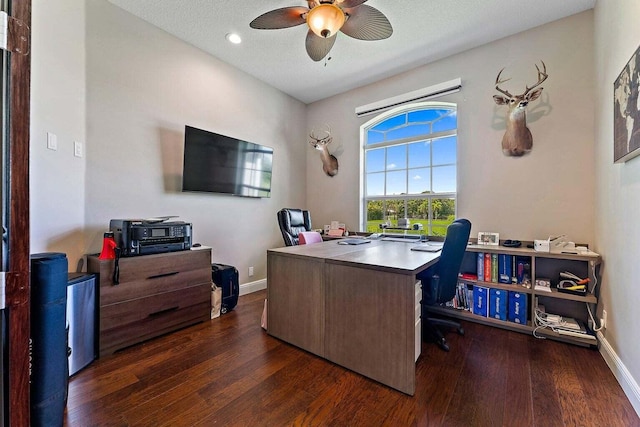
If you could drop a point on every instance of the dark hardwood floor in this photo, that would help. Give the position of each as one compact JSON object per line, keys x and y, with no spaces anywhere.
{"x":229,"y":372}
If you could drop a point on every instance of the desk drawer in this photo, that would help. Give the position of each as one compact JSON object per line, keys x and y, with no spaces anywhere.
{"x":418,"y":339}
{"x":417,"y":318}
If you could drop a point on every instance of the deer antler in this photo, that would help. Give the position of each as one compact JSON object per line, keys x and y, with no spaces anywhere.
{"x":320,"y":141}
{"x":499,"y":82}
{"x":542,"y":76}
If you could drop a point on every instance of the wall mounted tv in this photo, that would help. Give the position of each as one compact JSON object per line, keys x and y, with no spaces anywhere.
{"x":221,"y":164}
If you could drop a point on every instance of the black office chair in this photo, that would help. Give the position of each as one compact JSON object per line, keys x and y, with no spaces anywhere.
{"x":292,"y":222}
{"x":439,"y":282}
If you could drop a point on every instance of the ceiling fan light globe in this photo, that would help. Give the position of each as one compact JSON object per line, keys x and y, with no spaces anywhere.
{"x":325,"y":20}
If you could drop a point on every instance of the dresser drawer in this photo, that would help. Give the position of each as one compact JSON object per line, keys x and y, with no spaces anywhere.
{"x":153,"y":306}
{"x":151,"y":274}
{"x":126,"y":323}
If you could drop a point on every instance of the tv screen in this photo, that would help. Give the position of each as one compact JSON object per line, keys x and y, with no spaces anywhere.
{"x":221,"y":164}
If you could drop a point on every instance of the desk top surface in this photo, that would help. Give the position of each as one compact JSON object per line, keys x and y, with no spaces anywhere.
{"x":377,"y":254}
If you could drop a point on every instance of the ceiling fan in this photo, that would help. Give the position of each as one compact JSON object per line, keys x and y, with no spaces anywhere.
{"x":325,"y":18}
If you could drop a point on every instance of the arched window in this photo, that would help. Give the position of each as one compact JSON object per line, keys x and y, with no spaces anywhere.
{"x":409,"y":168}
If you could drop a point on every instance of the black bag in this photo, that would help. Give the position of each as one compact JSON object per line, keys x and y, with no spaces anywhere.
{"x":226,"y":277}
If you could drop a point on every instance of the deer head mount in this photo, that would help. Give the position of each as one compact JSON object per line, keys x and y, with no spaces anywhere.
{"x":517,"y":139}
{"x":329,"y":162}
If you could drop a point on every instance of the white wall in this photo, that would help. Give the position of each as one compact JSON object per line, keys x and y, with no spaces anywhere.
{"x":143,"y":87}
{"x":618,"y":197}
{"x":57,"y":178}
{"x":133,"y":88}
{"x":547,"y":192}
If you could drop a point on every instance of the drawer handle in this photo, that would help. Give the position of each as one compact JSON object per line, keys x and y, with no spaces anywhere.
{"x":157,"y":276}
{"x":165,"y":311}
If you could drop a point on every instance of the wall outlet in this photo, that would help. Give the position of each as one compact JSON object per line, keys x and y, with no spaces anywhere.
{"x":603,"y":320}
{"x":250,"y":271}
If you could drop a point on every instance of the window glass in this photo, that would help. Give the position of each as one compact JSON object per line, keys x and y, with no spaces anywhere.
{"x":390,"y":123}
{"x":375,"y":184}
{"x":411,"y":172}
{"x":396,"y":182}
{"x":419,"y":180}
{"x":448,"y":122}
{"x":408,"y":131}
{"x":375,"y":160}
{"x":397,"y":157}
{"x":444,"y":179}
{"x":444,"y":150}
{"x":426,"y":115}
{"x":419,"y":154}
{"x":374,"y":137}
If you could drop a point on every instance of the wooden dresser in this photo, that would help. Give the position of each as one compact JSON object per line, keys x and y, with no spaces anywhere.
{"x":156,"y":294}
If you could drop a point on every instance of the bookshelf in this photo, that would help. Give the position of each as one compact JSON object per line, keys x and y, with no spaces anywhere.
{"x":526,"y":265}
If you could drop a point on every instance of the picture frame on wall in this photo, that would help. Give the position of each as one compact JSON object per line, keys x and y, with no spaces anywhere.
{"x":491,"y":239}
{"x":626,"y":111}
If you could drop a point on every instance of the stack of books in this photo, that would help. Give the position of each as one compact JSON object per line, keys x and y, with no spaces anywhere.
{"x":503,"y":268}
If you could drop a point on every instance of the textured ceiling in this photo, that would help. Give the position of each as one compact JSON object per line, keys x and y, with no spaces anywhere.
{"x":423,"y":31}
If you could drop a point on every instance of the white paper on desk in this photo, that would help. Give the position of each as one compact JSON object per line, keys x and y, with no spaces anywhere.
{"x":427,"y":247}
{"x":353,"y":241}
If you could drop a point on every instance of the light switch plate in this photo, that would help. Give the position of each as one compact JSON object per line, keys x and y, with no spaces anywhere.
{"x":77,"y":149}
{"x":52,"y":141}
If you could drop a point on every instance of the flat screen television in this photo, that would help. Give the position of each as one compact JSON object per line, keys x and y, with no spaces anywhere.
{"x":220,"y":164}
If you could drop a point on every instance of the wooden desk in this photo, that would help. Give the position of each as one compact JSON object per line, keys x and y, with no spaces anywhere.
{"x":355,"y":305}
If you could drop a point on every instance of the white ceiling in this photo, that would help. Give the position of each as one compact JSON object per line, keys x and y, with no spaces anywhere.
{"x":423,"y":31}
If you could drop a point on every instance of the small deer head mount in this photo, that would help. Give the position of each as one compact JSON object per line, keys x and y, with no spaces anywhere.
{"x":329,"y":162}
{"x":517,"y":139}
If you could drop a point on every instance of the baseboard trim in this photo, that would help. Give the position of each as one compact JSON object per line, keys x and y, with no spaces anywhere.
{"x":258,"y":285}
{"x":620,"y":371}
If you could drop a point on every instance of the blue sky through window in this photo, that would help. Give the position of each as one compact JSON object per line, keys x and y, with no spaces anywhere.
{"x":412,"y":153}
{"x":409,"y":166}
{"x":427,"y":162}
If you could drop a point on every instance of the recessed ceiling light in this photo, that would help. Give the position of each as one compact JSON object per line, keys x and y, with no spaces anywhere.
{"x":234,"y":38}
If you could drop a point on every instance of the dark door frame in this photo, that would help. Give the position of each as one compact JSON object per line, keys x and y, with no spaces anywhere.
{"x":17,"y":275}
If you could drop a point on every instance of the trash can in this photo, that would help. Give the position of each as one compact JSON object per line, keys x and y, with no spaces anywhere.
{"x":81,"y":320}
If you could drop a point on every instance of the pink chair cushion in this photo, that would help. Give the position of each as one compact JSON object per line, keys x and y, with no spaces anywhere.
{"x":308,"y":237}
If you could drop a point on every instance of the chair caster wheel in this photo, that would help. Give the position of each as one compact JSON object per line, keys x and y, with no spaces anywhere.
{"x":443,"y":345}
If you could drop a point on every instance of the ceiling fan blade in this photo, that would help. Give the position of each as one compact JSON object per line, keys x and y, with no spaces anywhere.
{"x":367,"y":23}
{"x":345,"y":4}
{"x":280,"y":18}
{"x":318,"y":47}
